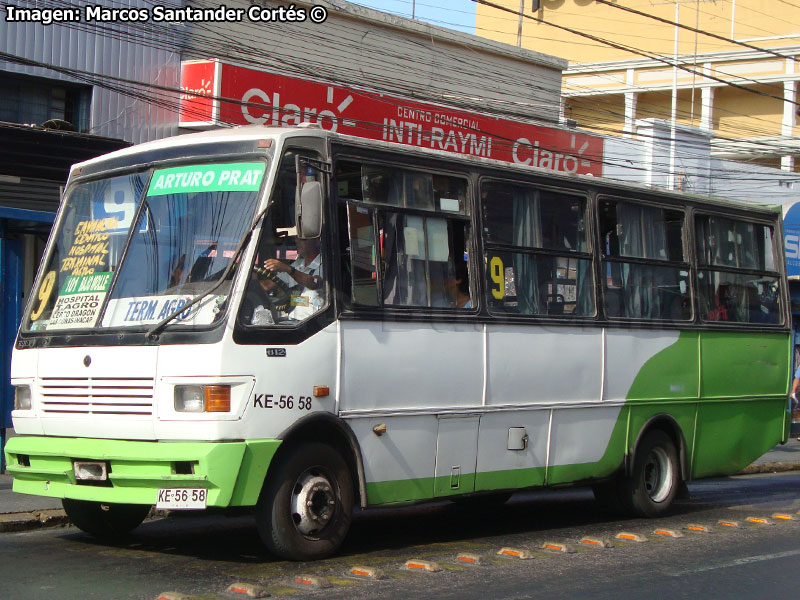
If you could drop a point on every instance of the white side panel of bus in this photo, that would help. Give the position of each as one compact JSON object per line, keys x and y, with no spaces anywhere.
{"x":406,"y":451}
{"x":543,"y":364}
{"x":627,"y":350}
{"x":581,"y":435}
{"x":560,"y":367}
{"x":310,"y":363}
{"x":390,"y":365}
{"x":493,"y":451}
{"x":456,"y":454}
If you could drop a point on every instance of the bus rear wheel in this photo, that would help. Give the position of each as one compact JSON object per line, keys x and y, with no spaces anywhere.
{"x":654,"y":482}
{"x":306,"y":505}
{"x":105,"y":520}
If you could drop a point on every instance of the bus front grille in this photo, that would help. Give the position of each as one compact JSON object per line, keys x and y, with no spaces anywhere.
{"x":129,"y":396}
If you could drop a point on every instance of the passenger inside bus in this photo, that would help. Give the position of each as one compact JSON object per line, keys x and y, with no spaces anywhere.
{"x":722,"y":304}
{"x":458,"y":285}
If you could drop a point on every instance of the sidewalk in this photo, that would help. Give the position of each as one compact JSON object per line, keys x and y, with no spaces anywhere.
{"x":21,"y":512}
{"x":780,"y":458}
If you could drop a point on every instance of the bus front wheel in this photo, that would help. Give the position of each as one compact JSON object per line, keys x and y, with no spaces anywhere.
{"x":653,"y":483}
{"x":307,"y":502}
{"x":105,"y":520}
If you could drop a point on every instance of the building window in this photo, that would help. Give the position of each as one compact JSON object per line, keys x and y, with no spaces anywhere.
{"x":35,"y":101}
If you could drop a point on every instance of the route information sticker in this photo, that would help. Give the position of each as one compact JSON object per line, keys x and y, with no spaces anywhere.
{"x":79,"y":301}
{"x":230,"y":177}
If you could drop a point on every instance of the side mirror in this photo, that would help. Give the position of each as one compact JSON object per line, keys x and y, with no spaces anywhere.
{"x":308,"y":210}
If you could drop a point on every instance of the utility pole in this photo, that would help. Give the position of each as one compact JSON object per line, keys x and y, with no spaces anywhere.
{"x":674,"y":111}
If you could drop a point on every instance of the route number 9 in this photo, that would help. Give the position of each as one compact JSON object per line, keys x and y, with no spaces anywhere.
{"x":496,"y":272}
{"x":44,"y":294}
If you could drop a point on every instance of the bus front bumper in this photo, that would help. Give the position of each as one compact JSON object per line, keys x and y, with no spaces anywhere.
{"x":232,"y":472}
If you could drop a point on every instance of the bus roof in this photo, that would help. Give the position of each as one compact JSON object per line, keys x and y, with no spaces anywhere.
{"x":257,"y":132}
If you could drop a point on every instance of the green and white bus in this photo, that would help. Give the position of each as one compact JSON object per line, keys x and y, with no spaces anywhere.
{"x":302,"y":322}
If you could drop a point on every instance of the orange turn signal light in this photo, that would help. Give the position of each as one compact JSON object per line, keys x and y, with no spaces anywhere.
{"x":218,"y":398}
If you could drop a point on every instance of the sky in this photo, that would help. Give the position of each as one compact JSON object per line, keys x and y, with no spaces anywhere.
{"x":454,"y":14}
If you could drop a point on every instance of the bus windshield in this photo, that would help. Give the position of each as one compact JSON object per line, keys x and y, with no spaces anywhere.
{"x":132,"y":249}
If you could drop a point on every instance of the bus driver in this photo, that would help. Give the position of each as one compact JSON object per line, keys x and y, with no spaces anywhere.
{"x":303,"y":277}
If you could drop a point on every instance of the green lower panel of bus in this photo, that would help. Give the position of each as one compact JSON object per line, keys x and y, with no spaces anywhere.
{"x":729,"y":435}
{"x":231,"y":471}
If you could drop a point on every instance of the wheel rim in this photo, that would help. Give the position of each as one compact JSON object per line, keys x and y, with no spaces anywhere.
{"x":658,"y":475}
{"x":313,"y":502}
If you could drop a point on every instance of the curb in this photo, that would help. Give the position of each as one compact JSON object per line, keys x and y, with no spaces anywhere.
{"x":36,"y":519}
{"x":770,"y":467}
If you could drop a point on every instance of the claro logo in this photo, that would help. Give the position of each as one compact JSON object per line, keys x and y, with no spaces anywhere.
{"x":203,"y":90}
{"x":259,"y":108}
{"x":526,"y":153}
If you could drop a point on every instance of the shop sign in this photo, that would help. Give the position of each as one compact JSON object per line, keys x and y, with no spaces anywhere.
{"x":242,"y":96}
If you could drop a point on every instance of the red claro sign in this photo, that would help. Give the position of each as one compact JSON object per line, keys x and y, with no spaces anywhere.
{"x":257,"y":97}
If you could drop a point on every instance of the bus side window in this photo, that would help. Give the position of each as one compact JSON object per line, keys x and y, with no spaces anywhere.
{"x":538,"y":260}
{"x":418,"y":256}
{"x":360,"y":255}
{"x":728,"y":295}
{"x":655,"y":284}
{"x":403,"y":237}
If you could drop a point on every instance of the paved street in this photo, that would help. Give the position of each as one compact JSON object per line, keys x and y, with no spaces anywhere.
{"x":203,"y":556}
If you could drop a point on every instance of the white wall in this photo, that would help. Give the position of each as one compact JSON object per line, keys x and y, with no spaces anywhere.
{"x":646,"y":160}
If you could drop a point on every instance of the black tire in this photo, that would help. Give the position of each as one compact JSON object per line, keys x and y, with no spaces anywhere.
{"x":655,"y":480}
{"x":306,"y":505}
{"x":106,"y":521}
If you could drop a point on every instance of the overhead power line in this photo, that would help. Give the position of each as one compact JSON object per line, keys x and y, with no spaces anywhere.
{"x":249,"y":50}
{"x":695,"y":30}
{"x":136,"y":89}
{"x":636,"y":51}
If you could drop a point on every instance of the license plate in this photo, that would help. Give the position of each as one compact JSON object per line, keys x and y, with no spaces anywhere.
{"x":182,"y":498}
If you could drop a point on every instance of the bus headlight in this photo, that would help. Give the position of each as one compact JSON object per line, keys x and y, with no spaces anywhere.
{"x":22,"y":397}
{"x":189,"y":398}
{"x":202,"y":398}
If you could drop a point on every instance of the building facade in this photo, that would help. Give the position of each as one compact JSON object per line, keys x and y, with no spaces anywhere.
{"x":740,"y":85}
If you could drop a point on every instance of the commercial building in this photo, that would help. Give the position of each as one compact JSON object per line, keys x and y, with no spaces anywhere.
{"x":740,"y":85}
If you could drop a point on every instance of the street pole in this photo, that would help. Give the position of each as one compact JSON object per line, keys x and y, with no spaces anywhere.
{"x":674,"y":114}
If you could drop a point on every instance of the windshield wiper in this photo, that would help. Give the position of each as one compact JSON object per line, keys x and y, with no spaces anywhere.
{"x":153,"y":332}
